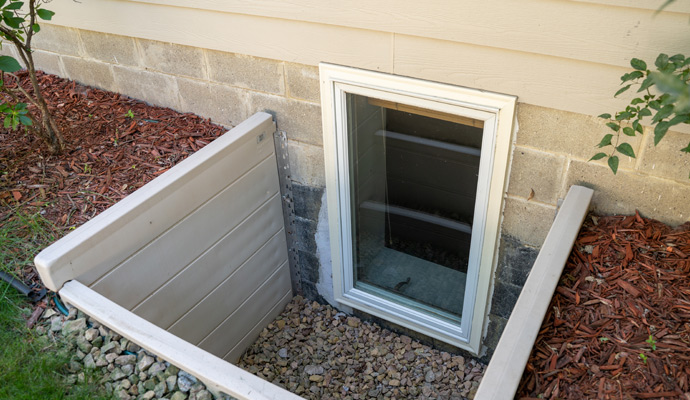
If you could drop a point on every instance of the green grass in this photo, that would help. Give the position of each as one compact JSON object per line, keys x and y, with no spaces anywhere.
{"x":31,"y":366}
{"x":22,"y":236}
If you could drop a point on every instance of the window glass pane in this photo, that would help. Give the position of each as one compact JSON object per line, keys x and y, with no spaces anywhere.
{"x":413,"y":182}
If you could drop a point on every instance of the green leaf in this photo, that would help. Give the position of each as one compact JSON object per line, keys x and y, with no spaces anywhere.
{"x":36,"y":28}
{"x":645,"y":112}
{"x":636,"y":101}
{"x":663,"y":113}
{"x":8,"y":122}
{"x":647,"y":83}
{"x":626,"y":149}
{"x":677,"y":59}
{"x":15,"y":5}
{"x":9,"y":64}
{"x":631,"y":76}
{"x":45,"y":14}
{"x":621,"y":90}
{"x":2,"y":3}
{"x":599,"y":156}
{"x":605,"y":116}
{"x":638,"y":64}
{"x":613,"y":164}
{"x":606,"y":140}
{"x":629,"y":131}
{"x":679,"y":119}
{"x":655,"y":105}
{"x":661,"y":60}
{"x":614,"y":126}
{"x":638,"y":126}
{"x":623,"y":115}
{"x":659,"y":131}
{"x":24,"y":120}
{"x":12,"y":22}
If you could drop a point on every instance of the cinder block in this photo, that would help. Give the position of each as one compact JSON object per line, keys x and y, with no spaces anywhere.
{"x":173,"y":58}
{"x":666,"y":160}
{"x":537,"y":171}
{"x":90,"y":72}
{"x":567,"y":133}
{"x":625,"y":192}
{"x":222,"y":104}
{"x":153,"y":88}
{"x":301,"y":120}
{"x":57,"y":39}
{"x":303,"y":82}
{"x":47,"y":62}
{"x":246,"y":71}
{"x":307,"y":164}
{"x":114,"y":49}
{"x":527,"y":221}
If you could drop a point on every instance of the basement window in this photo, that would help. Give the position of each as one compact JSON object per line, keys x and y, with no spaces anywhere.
{"x":415,"y":179}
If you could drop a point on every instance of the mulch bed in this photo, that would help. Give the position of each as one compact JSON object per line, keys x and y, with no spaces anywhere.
{"x":114,"y":146}
{"x":618,"y":326}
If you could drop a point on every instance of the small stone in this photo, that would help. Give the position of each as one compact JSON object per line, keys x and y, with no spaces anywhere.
{"x":204,"y":395}
{"x":117,"y":374}
{"x":98,"y":341}
{"x":178,"y":396}
{"x":429,"y":376}
{"x":148,"y":395}
{"x":110,"y":357}
{"x":127,"y":359}
{"x":91,"y":334}
{"x":122,"y":395}
{"x":133,"y":347}
{"x":156,"y":368}
{"x":128,"y":369}
{"x":171,"y":370}
{"x":71,"y":327}
{"x":56,"y":323}
{"x":283,"y":353}
{"x":145,"y":363}
{"x":170,"y":382}
{"x":394,"y":382}
{"x":316,"y":378}
{"x":111,"y":347}
{"x":89,"y":362}
{"x":280,"y":324}
{"x":313,"y":370}
{"x":353,"y":322}
{"x":160,"y":389}
{"x":49,"y":312}
{"x":185,"y":381}
{"x":101,"y":361}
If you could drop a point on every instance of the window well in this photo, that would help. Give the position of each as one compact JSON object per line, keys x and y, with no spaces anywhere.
{"x":415,"y":175}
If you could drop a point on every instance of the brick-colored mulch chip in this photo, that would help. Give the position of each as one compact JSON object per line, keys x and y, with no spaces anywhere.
{"x":618,"y":326}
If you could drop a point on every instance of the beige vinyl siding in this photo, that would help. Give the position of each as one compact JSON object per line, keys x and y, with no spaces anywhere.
{"x":562,"y":54}
{"x":196,"y":250}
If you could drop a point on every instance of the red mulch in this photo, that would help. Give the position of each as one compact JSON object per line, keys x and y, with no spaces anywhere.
{"x":110,"y":152}
{"x":618,"y":326}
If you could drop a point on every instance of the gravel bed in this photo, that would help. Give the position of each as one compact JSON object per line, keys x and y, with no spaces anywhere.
{"x":319,"y":353}
{"x":129,"y":372}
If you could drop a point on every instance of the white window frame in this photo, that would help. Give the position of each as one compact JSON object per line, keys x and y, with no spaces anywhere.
{"x":497,"y":111}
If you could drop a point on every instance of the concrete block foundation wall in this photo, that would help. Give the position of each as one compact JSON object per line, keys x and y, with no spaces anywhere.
{"x":550,"y":152}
